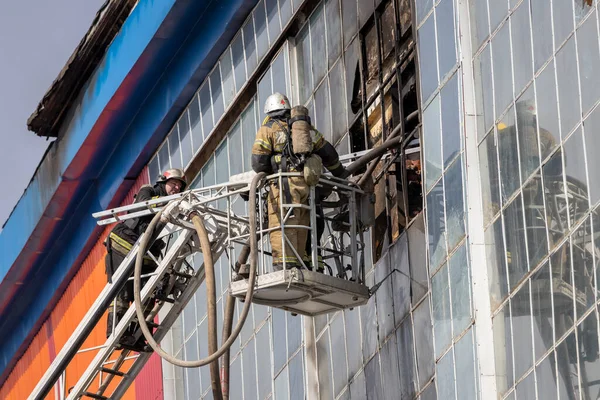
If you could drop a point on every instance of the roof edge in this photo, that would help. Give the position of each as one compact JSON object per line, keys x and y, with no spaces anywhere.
{"x":52,"y":109}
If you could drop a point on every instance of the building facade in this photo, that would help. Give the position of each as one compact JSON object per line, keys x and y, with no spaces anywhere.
{"x":484,"y":261}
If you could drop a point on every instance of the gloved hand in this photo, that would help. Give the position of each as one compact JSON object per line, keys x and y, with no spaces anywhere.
{"x":345,"y":174}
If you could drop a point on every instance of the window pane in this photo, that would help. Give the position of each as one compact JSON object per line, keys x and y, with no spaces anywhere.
{"x":541,"y":311}
{"x":446,"y":37}
{"x":322,"y":118}
{"x":260,"y":25}
{"x":195,"y":124}
{"x":504,"y":350}
{"x":440,"y":298}
{"x":460,"y":289}
{"x":273,"y":20}
{"x":278,"y":69}
{"x":338,"y":353}
{"x":450,"y":120}
{"x":222,"y":170}
{"x":542,"y":31}
{"x":263,"y":364}
{"x":186,"y":138}
{"x":535,"y":221}
{"x":208,"y":173}
{"x":317,"y":37}
{"x":264,"y":91}
{"x":296,"y":378}
{"x":490,"y":183}
{"x":436,"y":227}
{"x":568,"y":89}
{"x":249,"y":129}
{"x":498,"y":10}
{"x":239,"y":63}
{"x":502,"y":69}
{"x":205,"y":110}
{"x":424,"y":342}
{"x":279,"y":336}
{"x":508,"y":155}
{"x":303,"y":55}
{"x":546,"y":379}
{"x":286,"y":11}
{"x":217,"y":94}
{"x":174,"y":148}
{"x":406,"y":358}
{"x":496,"y":260}
{"x":334,"y":34}
{"x":338,"y":103}
{"x":432,"y":138}
{"x":555,"y":197}
{"x":324,"y":369}
{"x":484,"y":91}
{"x":427,"y":59}
{"x":236,"y":157}
{"x":576,"y":178}
{"x":562,"y":12}
{"x":521,"y":44}
{"x":521,"y":327}
{"x":154,"y":169}
{"x":466,"y":384}
{"x":455,"y":205}
{"x":526,"y":388}
{"x":515,"y":242}
{"x":423,"y":7}
{"x":250,"y":47}
{"x":482,"y":27}
{"x":589,"y":63}
{"x":445,"y":377}
{"x":547,"y":110}
{"x":227,"y":73}
{"x":163,"y":157}
{"x":527,"y":133}
{"x":592,"y":142}
{"x":349,"y":20}
{"x":353,"y":81}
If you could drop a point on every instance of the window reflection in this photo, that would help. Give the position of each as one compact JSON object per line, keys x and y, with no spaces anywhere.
{"x":568,"y":89}
{"x":521,"y":45}
{"x":502,"y":68}
{"x":589,"y":63}
{"x":576,"y":177}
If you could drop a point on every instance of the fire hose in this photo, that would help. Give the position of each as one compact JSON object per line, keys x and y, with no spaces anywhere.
{"x":211,"y":296}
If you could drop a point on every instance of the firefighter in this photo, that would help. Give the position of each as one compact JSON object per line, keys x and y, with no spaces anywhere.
{"x":272,"y":152}
{"x":122,"y":238}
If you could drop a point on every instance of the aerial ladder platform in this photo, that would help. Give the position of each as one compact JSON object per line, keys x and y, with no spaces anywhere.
{"x":347,"y":213}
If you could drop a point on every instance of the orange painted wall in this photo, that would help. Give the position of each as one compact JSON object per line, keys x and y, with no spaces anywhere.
{"x":56,"y":330}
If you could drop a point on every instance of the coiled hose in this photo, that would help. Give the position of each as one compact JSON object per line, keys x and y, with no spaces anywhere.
{"x":211,"y":298}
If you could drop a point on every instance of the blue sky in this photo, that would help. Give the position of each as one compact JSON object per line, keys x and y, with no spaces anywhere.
{"x":36,"y":39}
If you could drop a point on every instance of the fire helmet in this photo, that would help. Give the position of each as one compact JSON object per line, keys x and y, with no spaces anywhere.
{"x":277,"y":102}
{"x":173,"y":173}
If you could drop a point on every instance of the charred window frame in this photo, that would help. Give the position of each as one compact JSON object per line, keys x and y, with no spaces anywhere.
{"x":385,"y":102}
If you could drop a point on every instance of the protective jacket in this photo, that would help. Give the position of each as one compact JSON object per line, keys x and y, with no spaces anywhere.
{"x":124,"y":235}
{"x":269,"y":152}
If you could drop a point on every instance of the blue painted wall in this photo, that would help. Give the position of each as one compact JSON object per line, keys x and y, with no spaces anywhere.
{"x":104,"y":147}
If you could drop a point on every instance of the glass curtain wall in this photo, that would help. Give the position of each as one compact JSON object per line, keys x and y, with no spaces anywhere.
{"x":352,"y":63}
{"x":449,"y":270}
{"x":537,"y":96}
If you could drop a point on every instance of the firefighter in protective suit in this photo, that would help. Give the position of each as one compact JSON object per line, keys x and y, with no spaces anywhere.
{"x":272,"y":152}
{"x":121,"y":240}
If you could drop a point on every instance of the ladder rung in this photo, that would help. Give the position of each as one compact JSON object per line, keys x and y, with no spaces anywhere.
{"x":112,"y":371}
{"x":95,"y":396}
{"x":165,"y":299}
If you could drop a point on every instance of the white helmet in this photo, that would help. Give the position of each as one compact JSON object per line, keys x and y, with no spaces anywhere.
{"x":277,"y":102}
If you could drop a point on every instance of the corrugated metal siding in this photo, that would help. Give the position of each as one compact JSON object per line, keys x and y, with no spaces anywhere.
{"x":149,"y":383}
{"x":71,"y":308}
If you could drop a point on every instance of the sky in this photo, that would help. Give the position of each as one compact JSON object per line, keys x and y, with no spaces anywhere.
{"x":36,"y":39}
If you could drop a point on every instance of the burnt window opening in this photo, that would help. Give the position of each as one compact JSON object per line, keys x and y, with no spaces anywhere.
{"x":384,"y":99}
